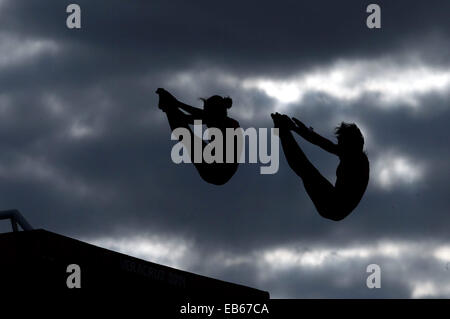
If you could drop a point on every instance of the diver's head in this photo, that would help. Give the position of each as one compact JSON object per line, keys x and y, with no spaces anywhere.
{"x":349,"y":137}
{"x":216,"y":107}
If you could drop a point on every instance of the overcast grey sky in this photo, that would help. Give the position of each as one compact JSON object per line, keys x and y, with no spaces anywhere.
{"x":86,"y":151}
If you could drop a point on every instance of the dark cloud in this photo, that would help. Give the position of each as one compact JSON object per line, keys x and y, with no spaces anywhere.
{"x":250,"y":37}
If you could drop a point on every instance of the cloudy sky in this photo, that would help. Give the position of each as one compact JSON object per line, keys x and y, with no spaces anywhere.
{"x":85,"y":152}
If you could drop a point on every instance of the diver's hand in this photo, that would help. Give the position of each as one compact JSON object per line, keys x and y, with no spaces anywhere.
{"x":301,"y":128}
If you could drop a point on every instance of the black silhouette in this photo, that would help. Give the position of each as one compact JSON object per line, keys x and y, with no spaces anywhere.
{"x":213,"y":115}
{"x":50,"y":254}
{"x":352,"y":175}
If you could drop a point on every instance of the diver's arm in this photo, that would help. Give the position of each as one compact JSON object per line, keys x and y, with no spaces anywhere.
{"x":194,"y":111}
{"x":314,"y":138}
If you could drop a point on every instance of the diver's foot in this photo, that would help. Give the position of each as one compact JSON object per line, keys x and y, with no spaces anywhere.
{"x":282,"y":121}
{"x":276,"y":117}
{"x":166,"y":100}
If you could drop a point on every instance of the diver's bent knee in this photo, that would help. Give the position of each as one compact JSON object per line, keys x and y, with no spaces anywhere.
{"x":216,"y":181}
{"x":333,"y":215}
{"x":217,"y":176}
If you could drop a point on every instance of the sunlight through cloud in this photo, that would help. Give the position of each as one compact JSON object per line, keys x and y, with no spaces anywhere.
{"x":392,"y":169}
{"x":268,"y":264}
{"x":14,"y":50}
{"x":351,"y":80}
{"x":169,"y":252}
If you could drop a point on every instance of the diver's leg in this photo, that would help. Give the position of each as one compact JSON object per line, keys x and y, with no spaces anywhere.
{"x":214,"y":173}
{"x":318,"y":188}
{"x":177,"y":118}
{"x":295,"y":157}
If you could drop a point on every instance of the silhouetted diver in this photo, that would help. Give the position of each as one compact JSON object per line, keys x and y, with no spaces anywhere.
{"x":214,"y":115}
{"x":352,"y":175}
